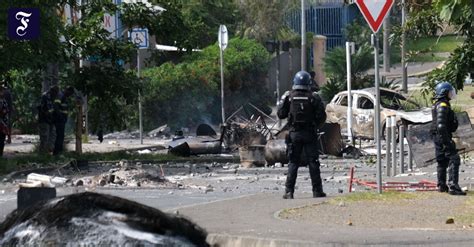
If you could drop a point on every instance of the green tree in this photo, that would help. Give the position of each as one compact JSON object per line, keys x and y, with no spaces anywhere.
{"x":188,"y":93}
{"x":361,"y":61}
{"x":461,"y":62}
{"x":263,"y":20}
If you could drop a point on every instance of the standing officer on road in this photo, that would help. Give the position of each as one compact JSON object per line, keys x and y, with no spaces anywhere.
{"x":305,"y":112}
{"x":443,"y":125}
{"x":60,"y":118}
{"x":47,"y":130}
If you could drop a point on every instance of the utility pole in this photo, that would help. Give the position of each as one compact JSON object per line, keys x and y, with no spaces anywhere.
{"x":404,"y":65}
{"x":303,"y":36}
{"x":386,"y":44}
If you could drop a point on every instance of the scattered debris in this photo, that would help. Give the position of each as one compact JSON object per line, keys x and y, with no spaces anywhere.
{"x":126,"y":134}
{"x":39,"y":180}
{"x":205,"y":130}
{"x":351,"y":152}
{"x":253,"y":155}
{"x":163,"y":131}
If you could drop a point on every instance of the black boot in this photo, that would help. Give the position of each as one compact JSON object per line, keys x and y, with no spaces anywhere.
{"x":288,"y":195}
{"x":316,"y":182}
{"x":455,"y":190}
{"x":443,"y":188}
{"x":317,"y":194}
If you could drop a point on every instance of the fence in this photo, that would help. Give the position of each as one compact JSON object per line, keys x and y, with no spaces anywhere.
{"x":326,"y":18}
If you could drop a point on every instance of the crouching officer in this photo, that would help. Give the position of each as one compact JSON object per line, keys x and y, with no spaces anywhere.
{"x":305,"y":112}
{"x":443,"y":125}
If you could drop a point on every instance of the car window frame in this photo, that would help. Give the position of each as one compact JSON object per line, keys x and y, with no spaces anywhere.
{"x":359,"y":96}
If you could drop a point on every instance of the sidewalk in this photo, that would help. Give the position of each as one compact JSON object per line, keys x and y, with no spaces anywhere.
{"x":251,"y":221}
{"x":414,"y":69}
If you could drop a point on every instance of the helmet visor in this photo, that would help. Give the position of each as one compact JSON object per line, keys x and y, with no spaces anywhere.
{"x":452,"y":94}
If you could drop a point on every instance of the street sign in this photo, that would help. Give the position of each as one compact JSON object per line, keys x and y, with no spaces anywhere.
{"x":139,"y":37}
{"x":223,"y":37}
{"x":374,"y":11}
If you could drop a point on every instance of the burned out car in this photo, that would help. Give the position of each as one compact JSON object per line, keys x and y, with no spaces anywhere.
{"x":363,"y":112}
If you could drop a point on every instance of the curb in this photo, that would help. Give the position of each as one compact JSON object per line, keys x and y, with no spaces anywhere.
{"x":418,"y":74}
{"x":225,"y":240}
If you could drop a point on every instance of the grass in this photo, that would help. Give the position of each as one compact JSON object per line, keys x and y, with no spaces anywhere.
{"x":463,"y":99}
{"x":29,"y":161}
{"x":431,"y":44}
{"x":462,"y":102}
{"x":467,"y":218}
{"x":427,"y":57}
{"x":388,"y":196}
{"x":427,"y":48}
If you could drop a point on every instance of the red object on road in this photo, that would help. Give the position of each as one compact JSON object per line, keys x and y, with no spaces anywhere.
{"x":374,"y":11}
{"x":422,"y":185}
{"x":351,"y":179}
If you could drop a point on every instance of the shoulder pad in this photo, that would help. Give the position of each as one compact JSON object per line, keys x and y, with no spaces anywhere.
{"x":285,"y":95}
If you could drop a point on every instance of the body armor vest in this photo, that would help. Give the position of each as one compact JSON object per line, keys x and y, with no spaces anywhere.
{"x":301,"y":108}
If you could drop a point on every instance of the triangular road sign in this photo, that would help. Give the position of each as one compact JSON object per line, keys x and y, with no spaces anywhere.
{"x":374,"y":11}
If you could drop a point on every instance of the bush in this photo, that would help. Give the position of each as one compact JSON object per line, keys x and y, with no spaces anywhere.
{"x":189,"y":93}
{"x":25,"y":87}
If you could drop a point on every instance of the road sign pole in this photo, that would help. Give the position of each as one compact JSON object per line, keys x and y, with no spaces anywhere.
{"x":403,"y":50}
{"x":223,"y":39}
{"x":139,"y":99}
{"x":303,"y":36}
{"x":377,"y":112}
{"x":349,"y":93}
{"x":374,"y":13}
{"x":222,"y":85}
{"x":140,"y":38}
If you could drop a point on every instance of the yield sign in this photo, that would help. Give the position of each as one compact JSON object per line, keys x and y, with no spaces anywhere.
{"x":374,"y":11}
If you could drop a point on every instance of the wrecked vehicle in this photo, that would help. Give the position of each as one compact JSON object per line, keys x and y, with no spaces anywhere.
{"x":363,"y":112}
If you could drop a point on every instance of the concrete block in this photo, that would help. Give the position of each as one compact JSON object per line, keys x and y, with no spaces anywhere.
{"x":27,"y":197}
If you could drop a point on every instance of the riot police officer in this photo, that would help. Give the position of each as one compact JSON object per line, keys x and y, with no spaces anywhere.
{"x":305,"y":112}
{"x":443,"y":125}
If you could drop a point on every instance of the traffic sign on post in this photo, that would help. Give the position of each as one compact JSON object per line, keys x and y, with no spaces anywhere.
{"x":223,"y":37}
{"x":139,"y":36}
{"x":374,"y":11}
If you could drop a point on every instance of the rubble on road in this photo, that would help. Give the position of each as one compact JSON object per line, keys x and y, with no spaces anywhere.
{"x":125,"y":134}
{"x":43,"y":180}
{"x":162,"y":131}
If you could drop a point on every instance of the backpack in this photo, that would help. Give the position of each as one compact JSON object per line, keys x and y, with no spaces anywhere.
{"x":301,"y":108}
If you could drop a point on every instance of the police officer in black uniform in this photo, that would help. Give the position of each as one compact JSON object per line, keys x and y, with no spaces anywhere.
{"x":305,"y":112}
{"x":443,"y":125}
{"x":60,"y":115}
